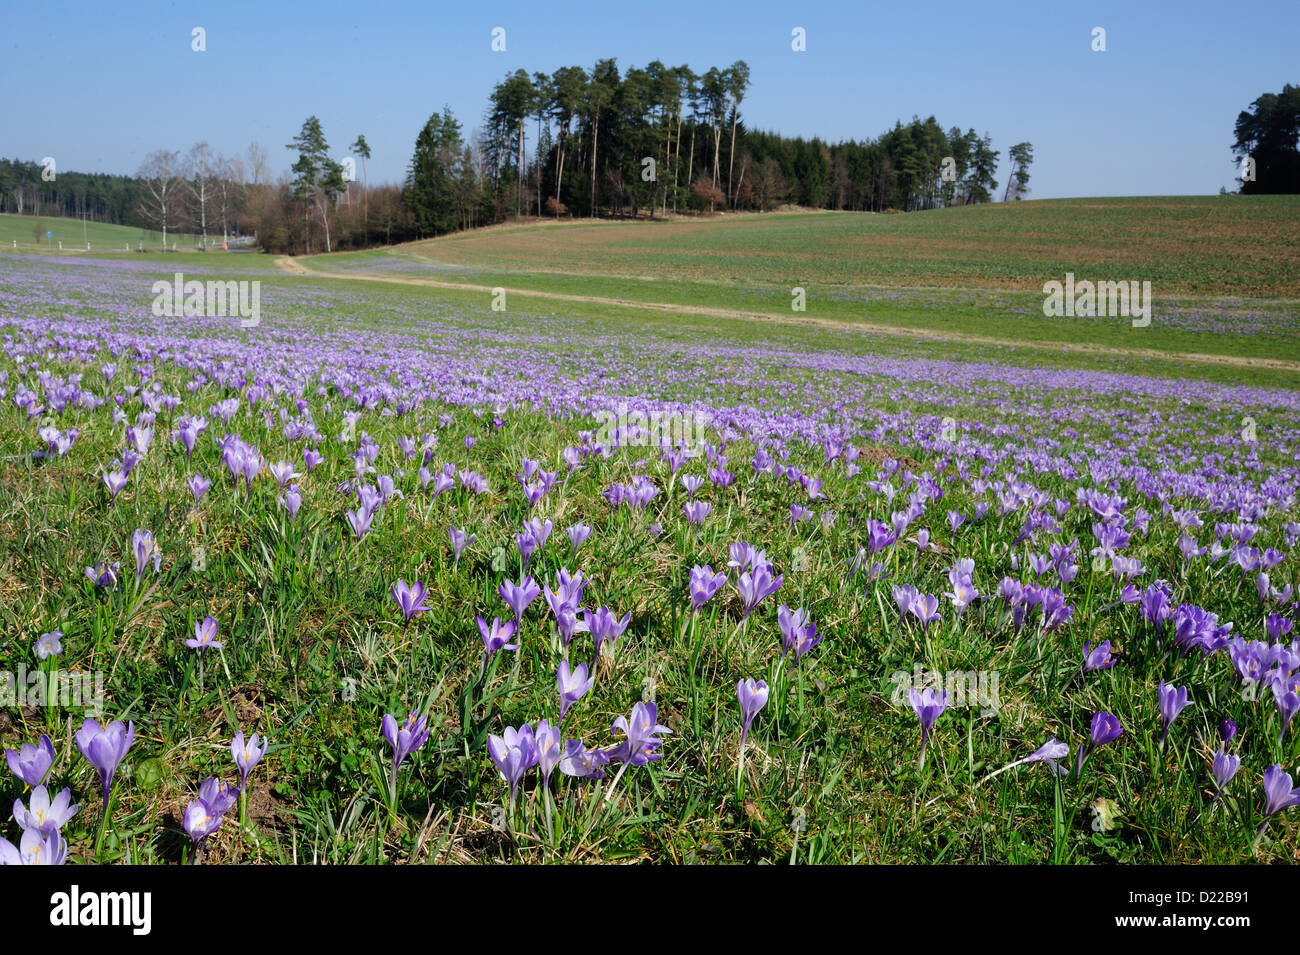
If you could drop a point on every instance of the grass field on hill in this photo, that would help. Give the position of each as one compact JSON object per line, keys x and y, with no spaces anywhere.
{"x":1224,"y":271}
{"x":102,"y":236}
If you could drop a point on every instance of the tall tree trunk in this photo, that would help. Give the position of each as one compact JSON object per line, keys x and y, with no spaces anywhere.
{"x":678,"y":161}
{"x":731,"y":162}
{"x":595,"y":135}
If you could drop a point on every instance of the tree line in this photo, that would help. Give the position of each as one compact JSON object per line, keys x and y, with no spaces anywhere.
{"x":645,"y":141}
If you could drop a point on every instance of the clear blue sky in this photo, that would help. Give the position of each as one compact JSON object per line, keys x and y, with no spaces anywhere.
{"x":98,"y":86}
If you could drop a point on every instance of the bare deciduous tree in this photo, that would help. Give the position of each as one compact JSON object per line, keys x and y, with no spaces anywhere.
{"x":160,"y":174}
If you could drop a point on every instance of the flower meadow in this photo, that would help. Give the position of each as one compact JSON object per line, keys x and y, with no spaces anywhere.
{"x":367,"y":583}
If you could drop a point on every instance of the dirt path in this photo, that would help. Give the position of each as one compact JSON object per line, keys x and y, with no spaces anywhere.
{"x":294,"y":267}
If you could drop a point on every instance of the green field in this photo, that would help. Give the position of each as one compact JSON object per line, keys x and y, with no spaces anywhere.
{"x":29,"y":234}
{"x":1224,"y":271}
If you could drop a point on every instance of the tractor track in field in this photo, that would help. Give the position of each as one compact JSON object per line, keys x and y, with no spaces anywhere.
{"x":293,"y":267}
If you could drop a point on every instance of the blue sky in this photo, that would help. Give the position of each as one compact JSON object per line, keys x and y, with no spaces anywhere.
{"x":100,"y":86}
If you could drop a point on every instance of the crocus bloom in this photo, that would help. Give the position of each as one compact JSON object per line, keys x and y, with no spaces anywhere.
{"x":1049,"y":753}
{"x":145,"y":549}
{"x":1224,"y":768}
{"x":799,"y":631}
{"x":32,"y":761}
{"x":925,"y":608}
{"x":704,"y":583}
{"x":198,"y":486}
{"x":496,"y":636}
{"x":1288,"y":704}
{"x":696,"y":511}
{"x":359,"y":520}
{"x":641,"y":743}
{"x":927,"y":705}
{"x":755,"y":586}
{"x":1105,"y":729}
{"x":549,"y":750}
{"x":513,"y":753}
{"x":44,"y":815}
{"x":114,"y":481}
{"x":405,"y":739}
{"x":580,"y":761}
{"x":218,"y":796}
{"x":459,"y":540}
{"x":753,"y":697}
{"x":49,"y":644}
{"x":104,"y":575}
{"x":104,"y":747}
{"x":291,"y":501}
{"x":1279,"y":794}
{"x":247,"y":755}
{"x":1172,"y":702}
{"x":1227,"y":730}
{"x":578,"y":533}
{"x":200,"y":821}
{"x":34,"y":849}
{"x":205,"y":636}
{"x":606,"y":626}
{"x":410,"y":598}
{"x":573,"y":685}
{"x":519,"y":596}
{"x":1097,"y":658}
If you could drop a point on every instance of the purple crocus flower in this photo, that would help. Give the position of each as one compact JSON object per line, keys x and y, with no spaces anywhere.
{"x":247,"y":755}
{"x":605,"y":626}
{"x":573,"y":685}
{"x":404,"y":740}
{"x":410,"y":599}
{"x":359,"y":520}
{"x":459,"y":541}
{"x":1172,"y":702}
{"x":104,"y":575}
{"x":513,"y":753}
{"x":756,"y":586}
{"x":1227,"y":730}
{"x":48,"y":645}
{"x":32,"y":762}
{"x":43,"y":814}
{"x":145,"y":549}
{"x":291,"y":501}
{"x":1279,"y":793}
{"x":218,"y":795}
{"x":640,"y":730}
{"x":205,"y":636}
{"x":496,"y":636}
{"x":104,"y":748}
{"x":1225,"y":766}
{"x":200,"y":821}
{"x":1105,"y":729}
{"x":1098,"y":657}
{"x":704,"y":583}
{"x":34,"y":849}
{"x":925,"y":608}
{"x":549,"y":749}
{"x":578,"y":533}
{"x":799,"y":632}
{"x":115,"y":481}
{"x":582,"y":762}
{"x":753,"y":697}
{"x":1288,"y":704}
{"x":198,"y":486}
{"x":927,"y":704}
{"x":697,"y":511}
{"x":519,"y":596}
